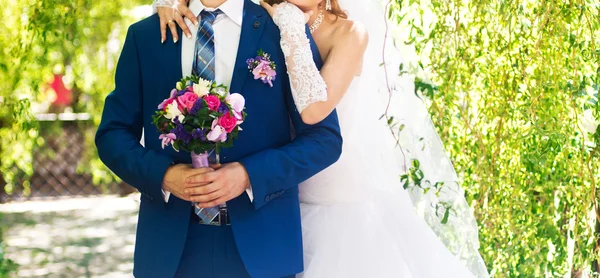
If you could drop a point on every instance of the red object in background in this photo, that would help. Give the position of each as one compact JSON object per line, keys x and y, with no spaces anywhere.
{"x":64,"y":96}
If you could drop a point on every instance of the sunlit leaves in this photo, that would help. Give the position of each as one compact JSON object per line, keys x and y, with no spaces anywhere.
{"x":510,"y":81}
{"x":74,"y":38}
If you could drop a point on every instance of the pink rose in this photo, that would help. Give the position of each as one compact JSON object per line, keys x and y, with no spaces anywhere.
{"x":166,"y":103}
{"x":228,"y":122}
{"x":187,"y":100}
{"x":213,"y":102}
{"x":264,"y":72}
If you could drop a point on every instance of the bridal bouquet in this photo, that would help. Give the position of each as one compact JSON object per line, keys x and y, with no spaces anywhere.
{"x":200,"y":116}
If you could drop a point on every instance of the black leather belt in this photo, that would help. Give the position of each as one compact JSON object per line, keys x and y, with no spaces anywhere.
{"x":220,"y":220}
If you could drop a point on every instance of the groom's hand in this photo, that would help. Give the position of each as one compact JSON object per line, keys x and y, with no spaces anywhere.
{"x":214,"y":188}
{"x":175,"y":178}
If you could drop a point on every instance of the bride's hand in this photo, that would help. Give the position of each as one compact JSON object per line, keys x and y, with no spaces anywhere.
{"x":271,"y":9}
{"x":169,"y":16}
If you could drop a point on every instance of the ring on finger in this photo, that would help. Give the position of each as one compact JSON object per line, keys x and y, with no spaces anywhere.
{"x":170,"y":21}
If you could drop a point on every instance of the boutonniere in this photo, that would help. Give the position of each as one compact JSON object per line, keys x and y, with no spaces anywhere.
{"x":262,"y":67}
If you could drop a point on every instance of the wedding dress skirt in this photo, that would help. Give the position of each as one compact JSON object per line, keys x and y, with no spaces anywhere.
{"x":357,"y":219}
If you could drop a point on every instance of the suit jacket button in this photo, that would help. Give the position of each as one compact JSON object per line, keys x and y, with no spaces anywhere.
{"x":256,"y":24}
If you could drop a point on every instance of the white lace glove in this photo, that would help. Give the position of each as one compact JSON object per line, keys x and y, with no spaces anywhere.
{"x":164,"y":3}
{"x":307,"y":84}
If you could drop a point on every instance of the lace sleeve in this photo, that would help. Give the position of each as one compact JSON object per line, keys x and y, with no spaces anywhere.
{"x":307,"y":84}
{"x":164,"y":3}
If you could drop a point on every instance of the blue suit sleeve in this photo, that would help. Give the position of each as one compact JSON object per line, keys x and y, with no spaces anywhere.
{"x":118,"y":136}
{"x":314,"y":148}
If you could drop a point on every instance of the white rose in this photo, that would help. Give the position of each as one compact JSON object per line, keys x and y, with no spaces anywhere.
{"x":202,"y":88}
{"x":587,"y":121}
{"x":221,"y":92}
{"x":173,"y":112}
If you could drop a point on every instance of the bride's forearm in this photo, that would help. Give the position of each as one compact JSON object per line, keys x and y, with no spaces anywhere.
{"x":306,"y":82}
{"x":339,"y":71}
{"x":309,"y":89}
{"x":317,"y":93}
{"x":317,"y":111}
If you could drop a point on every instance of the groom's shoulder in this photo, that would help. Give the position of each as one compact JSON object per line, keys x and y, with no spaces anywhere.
{"x":260,"y":13}
{"x":146,"y":27}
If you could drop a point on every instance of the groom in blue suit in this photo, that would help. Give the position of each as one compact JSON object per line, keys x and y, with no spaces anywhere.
{"x":258,"y":232}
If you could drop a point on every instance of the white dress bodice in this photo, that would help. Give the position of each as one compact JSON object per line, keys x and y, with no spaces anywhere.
{"x":361,"y":169}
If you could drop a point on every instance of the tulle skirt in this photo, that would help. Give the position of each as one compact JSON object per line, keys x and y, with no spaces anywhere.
{"x":381,"y":236}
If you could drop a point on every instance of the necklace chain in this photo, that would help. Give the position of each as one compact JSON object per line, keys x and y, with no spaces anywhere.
{"x":313,"y":27}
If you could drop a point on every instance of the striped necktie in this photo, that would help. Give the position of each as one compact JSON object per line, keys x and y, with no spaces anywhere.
{"x":204,"y":60}
{"x":204,"y":67}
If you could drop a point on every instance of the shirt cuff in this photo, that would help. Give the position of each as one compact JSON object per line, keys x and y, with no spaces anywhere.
{"x":166,"y":195}
{"x":250,"y":194}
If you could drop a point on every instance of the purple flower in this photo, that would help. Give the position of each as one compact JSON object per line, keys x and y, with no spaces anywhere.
{"x":217,"y":133}
{"x":262,"y":67}
{"x":167,"y":139}
{"x":236,"y":101}
{"x":223,"y":108}
{"x":180,"y":93}
{"x":199,"y":104}
{"x":182,"y":134}
{"x":198,"y":133}
{"x":264,"y":72}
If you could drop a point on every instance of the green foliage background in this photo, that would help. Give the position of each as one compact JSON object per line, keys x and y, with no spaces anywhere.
{"x":512,"y":84}
{"x":78,"y":38}
{"x":512,"y":81}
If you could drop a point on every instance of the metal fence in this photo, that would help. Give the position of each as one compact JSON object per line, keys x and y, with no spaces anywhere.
{"x":57,"y":161}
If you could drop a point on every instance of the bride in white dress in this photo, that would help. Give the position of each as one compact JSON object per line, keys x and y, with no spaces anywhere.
{"x":357,"y":218}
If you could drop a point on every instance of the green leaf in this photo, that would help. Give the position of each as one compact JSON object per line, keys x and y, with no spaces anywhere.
{"x":446,"y":216}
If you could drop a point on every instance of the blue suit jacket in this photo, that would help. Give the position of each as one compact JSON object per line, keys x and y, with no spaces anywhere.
{"x":267,"y":231}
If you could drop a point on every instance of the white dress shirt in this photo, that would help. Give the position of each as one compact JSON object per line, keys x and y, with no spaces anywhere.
{"x":227,"y":30}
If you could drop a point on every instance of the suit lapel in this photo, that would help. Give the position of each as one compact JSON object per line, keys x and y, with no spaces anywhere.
{"x":252,"y":27}
{"x":169,"y":55}
{"x":172,"y":60}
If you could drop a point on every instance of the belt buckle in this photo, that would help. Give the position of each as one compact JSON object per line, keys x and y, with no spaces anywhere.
{"x":221,"y":218}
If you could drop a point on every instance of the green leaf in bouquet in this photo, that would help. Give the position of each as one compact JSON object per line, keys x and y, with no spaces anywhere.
{"x":188,"y":79}
{"x":236,"y":132}
{"x":193,"y":144}
{"x":226,"y":144}
{"x":204,"y":115}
